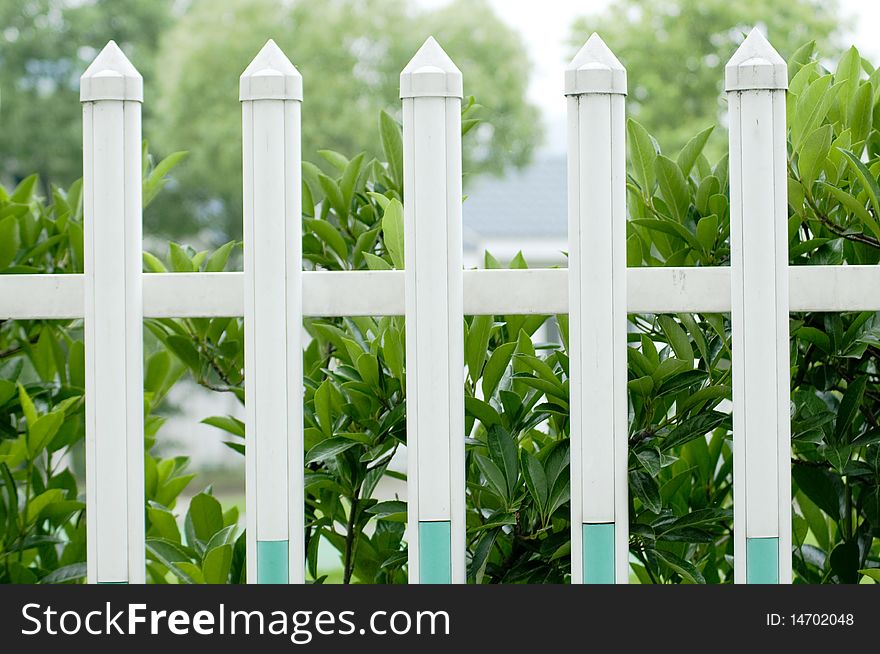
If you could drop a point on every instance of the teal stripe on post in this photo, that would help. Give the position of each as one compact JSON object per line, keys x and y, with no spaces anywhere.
{"x":599,"y":553}
{"x":435,"y":553}
{"x":762,"y":560}
{"x":272,"y":557}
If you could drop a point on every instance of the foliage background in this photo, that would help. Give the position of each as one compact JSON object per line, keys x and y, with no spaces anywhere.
{"x":350,"y":53}
{"x":676,"y":76}
{"x":45,"y":46}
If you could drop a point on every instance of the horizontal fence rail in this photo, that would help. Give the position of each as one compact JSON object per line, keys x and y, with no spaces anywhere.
{"x":539,"y":291}
{"x":273,"y":294}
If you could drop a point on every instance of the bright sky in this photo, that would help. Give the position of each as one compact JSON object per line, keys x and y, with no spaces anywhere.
{"x":545,"y":26}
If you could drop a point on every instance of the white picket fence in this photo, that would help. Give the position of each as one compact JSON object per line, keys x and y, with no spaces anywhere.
{"x":434,"y":293}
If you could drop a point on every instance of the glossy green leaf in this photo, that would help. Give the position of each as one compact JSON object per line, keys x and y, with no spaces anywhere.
{"x":392,"y":146}
{"x":685,"y":568}
{"x":869,"y":182}
{"x":217,"y":261}
{"x":476,"y":344}
{"x":503,"y":452}
{"x":229,"y":424}
{"x":673,"y":187}
{"x":482,"y":411}
{"x":66,"y":574}
{"x":27,"y":405}
{"x":10,"y":241}
{"x":677,"y":338}
{"x":323,"y":407}
{"x":493,"y":475}
{"x":692,"y":150}
{"x":42,"y":431}
{"x":206,"y":515}
{"x":170,"y":555}
{"x":645,"y":488}
{"x":707,"y":232}
{"x":813,"y":153}
{"x":329,"y":235}
{"x":871,"y":573}
{"x":669,"y":227}
{"x":332,"y":192}
{"x":180,"y":260}
{"x":642,"y":155}
{"x":376,"y":263}
{"x":800,"y":58}
{"x":849,"y":69}
{"x":392,"y":230}
{"x":535,"y":478}
{"x":327,"y":449}
{"x":643,"y":386}
{"x":39,"y":503}
{"x":393,"y":510}
{"x":812,"y":107}
{"x":495,"y":367}
{"x":849,"y":406}
{"x":216,"y":565}
{"x":860,"y":112}
{"x":164,"y":523}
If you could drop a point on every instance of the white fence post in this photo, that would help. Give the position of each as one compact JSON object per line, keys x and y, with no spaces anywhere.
{"x":431,"y":90}
{"x":595,"y":86}
{"x":756,"y":80}
{"x":271,"y":96}
{"x":111,"y":92}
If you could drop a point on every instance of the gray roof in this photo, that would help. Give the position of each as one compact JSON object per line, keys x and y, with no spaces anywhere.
{"x":531,"y":202}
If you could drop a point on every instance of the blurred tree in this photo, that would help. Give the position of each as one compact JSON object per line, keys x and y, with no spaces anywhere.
{"x":45,"y":45}
{"x":675,"y":50}
{"x":350,"y":53}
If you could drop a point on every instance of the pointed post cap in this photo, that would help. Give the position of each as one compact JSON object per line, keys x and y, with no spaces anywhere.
{"x":270,"y":76}
{"x":111,"y":76}
{"x":755,"y":65}
{"x":431,"y":73}
{"x":595,"y":69}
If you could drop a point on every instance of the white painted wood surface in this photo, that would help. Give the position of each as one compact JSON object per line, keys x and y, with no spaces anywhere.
{"x":431,"y":91}
{"x":756,"y":80}
{"x":595,"y":89}
{"x":486,"y":292}
{"x":271,"y":95}
{"x":111,"y":92}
